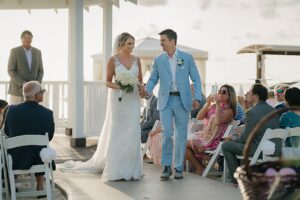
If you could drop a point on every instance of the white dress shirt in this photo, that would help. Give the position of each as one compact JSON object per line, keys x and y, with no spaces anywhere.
{"x":173,"y":66}
{"x":28,"y":53}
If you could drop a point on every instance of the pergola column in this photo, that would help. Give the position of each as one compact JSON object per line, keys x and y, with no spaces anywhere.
{"x":107,"y":35}
{"x":75,"y":73}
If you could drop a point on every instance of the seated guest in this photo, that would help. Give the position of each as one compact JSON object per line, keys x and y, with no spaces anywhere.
{"x":29,"y":118}
{"x":279,"y":91}
{"x":234,"y":146}
{"x":3,"y":105}
{"x":217,"y":113}
{"x":155,"y":145}
{"x":247,"y":103}
{"x":291,"y":118}
{"x":195,"y":110}
{"x":150,"y":115}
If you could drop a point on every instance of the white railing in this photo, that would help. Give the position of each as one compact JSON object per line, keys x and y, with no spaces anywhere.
{"x":56,"y":99}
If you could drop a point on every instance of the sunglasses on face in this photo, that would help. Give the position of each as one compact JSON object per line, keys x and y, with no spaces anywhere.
{"x":222,"y":92}
{"x":42,"y":91}
{"x":280,"y":91}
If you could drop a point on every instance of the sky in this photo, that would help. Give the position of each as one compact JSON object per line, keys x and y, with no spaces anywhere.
{"x":217,"y":26}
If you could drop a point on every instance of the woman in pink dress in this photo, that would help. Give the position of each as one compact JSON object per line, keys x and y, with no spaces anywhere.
{"x":217,"y":113}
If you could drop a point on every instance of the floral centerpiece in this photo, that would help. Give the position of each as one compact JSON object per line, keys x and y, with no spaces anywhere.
{"x":126,"y":82}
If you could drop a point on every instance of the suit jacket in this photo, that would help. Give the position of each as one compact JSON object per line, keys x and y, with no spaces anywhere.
{"x":19,"y":72}
{"x":253,"y":117}
{"x":28,"y":118}
{"x":161,"y":71}
{"x":152,"y":115}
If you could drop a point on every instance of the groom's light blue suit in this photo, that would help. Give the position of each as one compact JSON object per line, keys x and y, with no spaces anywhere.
{"x":174,"y":107}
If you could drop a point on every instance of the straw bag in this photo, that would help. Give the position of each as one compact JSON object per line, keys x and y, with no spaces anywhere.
{"x":253,"y":181}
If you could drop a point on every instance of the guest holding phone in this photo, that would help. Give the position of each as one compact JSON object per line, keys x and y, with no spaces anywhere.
{"x":217,"y":113}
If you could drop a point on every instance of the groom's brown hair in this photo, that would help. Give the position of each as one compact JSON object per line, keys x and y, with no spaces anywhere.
{"x":170,"y":34}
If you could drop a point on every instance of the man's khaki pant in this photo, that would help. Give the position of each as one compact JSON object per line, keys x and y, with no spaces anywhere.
{"x":16,"y":100}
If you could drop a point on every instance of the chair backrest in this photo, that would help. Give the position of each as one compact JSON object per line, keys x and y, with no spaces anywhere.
{"x":26,"y":140}
{"x":293,"y":131}
{"x":21,"y":141}
{"x":269,"y":134}
{"x":236,"y":122}
{"x":228,"y":130}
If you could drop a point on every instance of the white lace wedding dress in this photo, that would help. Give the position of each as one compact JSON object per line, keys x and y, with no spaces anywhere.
{"x":118,"y":154}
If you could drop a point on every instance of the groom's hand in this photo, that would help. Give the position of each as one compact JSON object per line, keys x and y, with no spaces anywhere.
{"x":142,"y":92}
{"x":196,"y":103}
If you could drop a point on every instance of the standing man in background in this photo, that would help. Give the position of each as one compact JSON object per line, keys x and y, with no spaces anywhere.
{"x":24,"y":65}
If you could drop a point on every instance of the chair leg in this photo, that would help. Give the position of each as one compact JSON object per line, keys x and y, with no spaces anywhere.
{"x":48,"y":186}
{"x":52,"y":177}
{"x":11,"y":177}
{"x":210,"y":165}
{"x":32,"y":181}
{"x":225,"y":173}
{"x":12,"y":186}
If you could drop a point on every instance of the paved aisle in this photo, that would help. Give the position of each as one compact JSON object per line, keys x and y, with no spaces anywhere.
{"x":87,"y":186}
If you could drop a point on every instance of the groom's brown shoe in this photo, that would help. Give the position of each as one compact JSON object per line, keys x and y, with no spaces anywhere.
{"x":167,"y":172}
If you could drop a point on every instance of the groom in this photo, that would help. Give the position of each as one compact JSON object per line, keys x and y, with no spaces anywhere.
{"x":174,"y":68}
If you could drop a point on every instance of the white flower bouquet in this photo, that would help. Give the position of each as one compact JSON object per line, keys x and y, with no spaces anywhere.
{"x":126,"y":82}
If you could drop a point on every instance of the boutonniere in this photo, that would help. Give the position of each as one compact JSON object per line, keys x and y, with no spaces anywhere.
{"x":180,"y":62}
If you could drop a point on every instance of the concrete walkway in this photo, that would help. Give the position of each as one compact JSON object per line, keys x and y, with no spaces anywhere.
{"x":88,"y":186}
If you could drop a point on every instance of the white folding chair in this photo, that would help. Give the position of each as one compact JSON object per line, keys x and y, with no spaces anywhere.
{"x":215,"y":153}
{"x":269,"y":134}
{"x":3,"y":170}
{"x":27,"y":140}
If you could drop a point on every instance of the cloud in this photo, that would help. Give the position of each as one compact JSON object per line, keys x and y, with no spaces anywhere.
{"x":152,"y":3}
{"x":151,"y":31}
{"x":266,"y":8}
{"x":205,"y":4}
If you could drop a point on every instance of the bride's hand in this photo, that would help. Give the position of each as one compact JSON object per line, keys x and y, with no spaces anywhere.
{"x":142,"y":91}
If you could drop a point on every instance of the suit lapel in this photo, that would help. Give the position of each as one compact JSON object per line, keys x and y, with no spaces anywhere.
{"x":167,"y":64}
{"x":33,"y":59}
{"x":179,"y":56}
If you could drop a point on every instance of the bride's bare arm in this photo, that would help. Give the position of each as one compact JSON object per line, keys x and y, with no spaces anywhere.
{"x":110,"y":71}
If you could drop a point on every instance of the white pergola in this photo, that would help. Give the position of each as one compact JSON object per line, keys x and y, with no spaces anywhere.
{"x":75,"y":49}
{"x":264,"y":49}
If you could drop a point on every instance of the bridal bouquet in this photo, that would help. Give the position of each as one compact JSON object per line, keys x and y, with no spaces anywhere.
{"x":126,"y":82}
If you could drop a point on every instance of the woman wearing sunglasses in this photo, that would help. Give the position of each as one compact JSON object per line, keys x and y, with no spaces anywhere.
{"x":217,"y":113}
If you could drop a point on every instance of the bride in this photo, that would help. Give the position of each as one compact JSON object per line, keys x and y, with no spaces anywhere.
{"x":118,"y":155}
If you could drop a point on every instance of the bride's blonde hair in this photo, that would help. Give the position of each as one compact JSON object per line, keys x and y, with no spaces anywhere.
{"x":120,"y":41}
